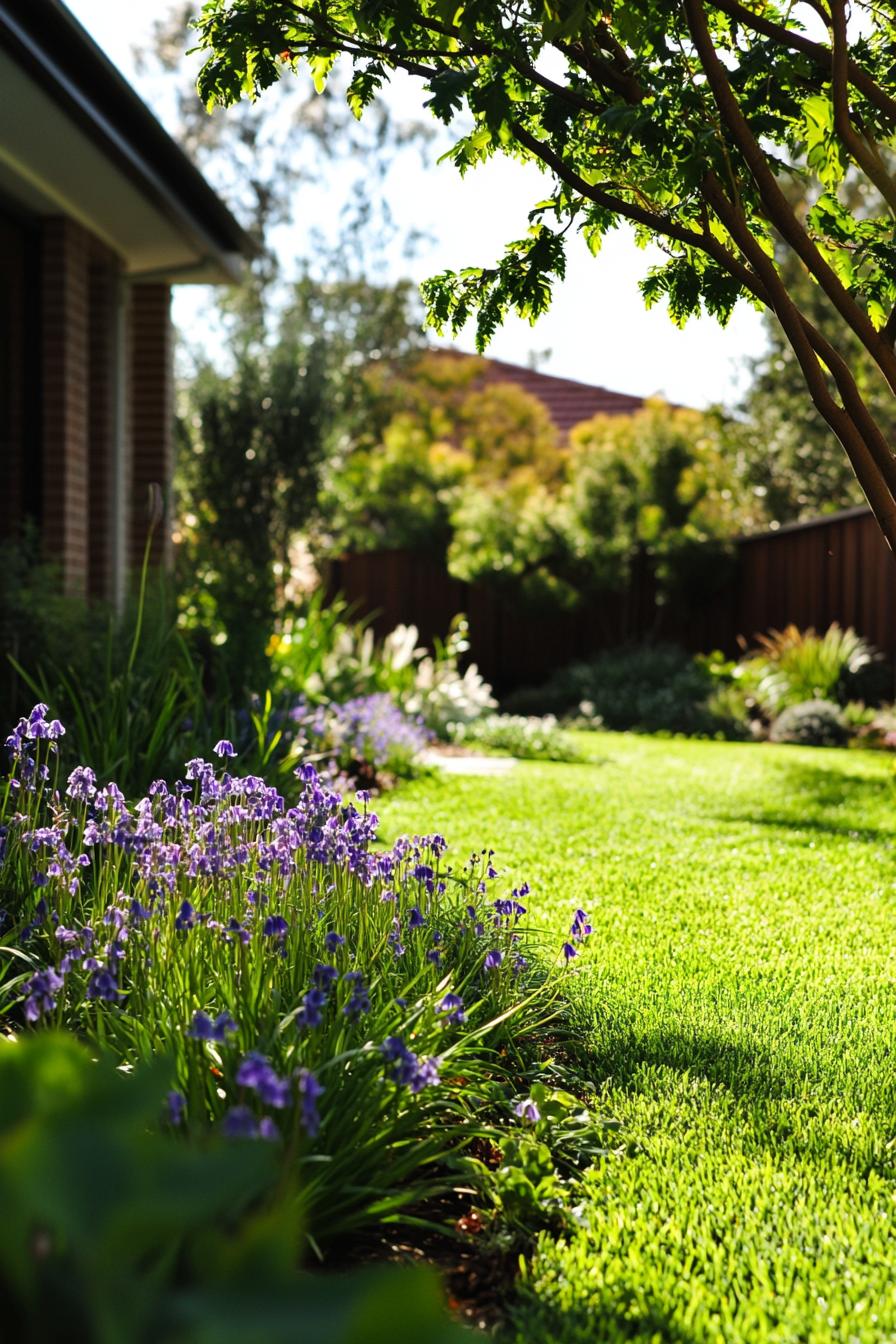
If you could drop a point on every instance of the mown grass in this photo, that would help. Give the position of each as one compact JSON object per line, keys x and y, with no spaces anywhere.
{"x":738,"y":1015}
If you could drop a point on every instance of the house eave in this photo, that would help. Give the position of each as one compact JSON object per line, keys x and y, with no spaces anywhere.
{"x":79,"y":101}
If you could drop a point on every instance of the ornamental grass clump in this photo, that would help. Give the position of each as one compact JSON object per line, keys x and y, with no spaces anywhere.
{"x":360,"y":1008}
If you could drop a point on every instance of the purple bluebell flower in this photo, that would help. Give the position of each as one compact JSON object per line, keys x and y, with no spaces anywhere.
{"x":453,"y":1006}
{"x":359,"y":1003}
{"x":224,"y":749}
{"x":103,"y":985}
{"x":40,"y":993}
{"x":527,"y":1111}
{"x":311,"y":1012}
{"x":81,"y":784}
{"x":239,"y":1123}
{"x":396,"y":944}
{"x":240,"y":930}
{"x":37,"y":727}
{"x":407,"y":1069}
{"x":569,"y":952}
{"x":185,"y":918}
{"x":415,"y":918}
{"x":256,"y":1073}
{"x":403,"y":1061}
{"x":333,"y":940}
{"x":493,"y":959}
{"x":176,"y":1106}
{"x":15,"y":742}
{"x":580,"y":928}
{"x":427,"y":1075}
{"x":275,"y":926}
{"x":324,"y":976}
{"x":310,"y":1091}
{"x":203,"y":1028}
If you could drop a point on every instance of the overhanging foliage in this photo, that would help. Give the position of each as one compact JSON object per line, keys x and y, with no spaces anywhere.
{"x":683,"y":118}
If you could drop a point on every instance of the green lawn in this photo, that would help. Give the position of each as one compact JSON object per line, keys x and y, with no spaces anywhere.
{"x":738,"y":1015}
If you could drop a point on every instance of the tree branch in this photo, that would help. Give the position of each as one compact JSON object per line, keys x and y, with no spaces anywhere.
{"x":628,"y":209}
{"x":867,"y":160}
{"x":779,"y":210}
{"x":603,"y":72}
{"x":854,"y":425}
{"x":817,"y":51}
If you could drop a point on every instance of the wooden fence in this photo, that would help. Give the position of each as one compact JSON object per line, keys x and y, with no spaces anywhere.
{"x":837,"y":568}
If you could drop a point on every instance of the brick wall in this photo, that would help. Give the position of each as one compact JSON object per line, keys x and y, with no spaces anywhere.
{"x":151,"y":409}
{"x":12,"y":352}
{"x":102,"y":399}
{"x":102,"y":423}
{"x":64,"y":321}
{"x":83,"y":446}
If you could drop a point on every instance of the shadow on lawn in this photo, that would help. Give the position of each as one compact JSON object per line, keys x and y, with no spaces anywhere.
{"x":762,"y":1086}
{"x":609,"y":1319}
{"x":813,"y":791}
{"x":627,"y":1055}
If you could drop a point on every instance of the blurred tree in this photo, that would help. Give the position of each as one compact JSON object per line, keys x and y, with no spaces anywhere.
{"x":518,"y":538}
{"x":659,"y":480}
{"x":657,"y":483}
{"x":682,"y":119}
{"x":272,"y":385}
{"x":437,"y":429}
{"x":787,"y":452}
{"x":255,"y":432}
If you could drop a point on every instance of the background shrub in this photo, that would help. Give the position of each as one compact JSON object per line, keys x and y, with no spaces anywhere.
{"x":814,"y":723}
{"x":791,"y":666}
{"x":528,"y":738}
{"x":649,"y":688}
{"x":326,"y":655}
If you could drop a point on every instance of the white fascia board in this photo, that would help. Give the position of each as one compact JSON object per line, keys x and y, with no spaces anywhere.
{"x":51,"y":167}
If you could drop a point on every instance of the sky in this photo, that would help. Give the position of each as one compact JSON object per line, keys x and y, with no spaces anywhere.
{"x":597,"y":331}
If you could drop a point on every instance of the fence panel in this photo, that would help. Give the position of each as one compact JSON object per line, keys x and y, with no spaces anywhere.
{"x":834,"y":569}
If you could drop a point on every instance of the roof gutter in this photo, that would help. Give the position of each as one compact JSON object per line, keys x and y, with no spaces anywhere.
{"x":117,"y":146}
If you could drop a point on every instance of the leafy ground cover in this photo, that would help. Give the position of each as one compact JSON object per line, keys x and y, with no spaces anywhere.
{"x":738,"y":1016}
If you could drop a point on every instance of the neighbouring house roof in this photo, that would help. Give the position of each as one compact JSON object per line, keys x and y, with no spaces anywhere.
{"x":75,"y":139}
{"x":567,"y":401}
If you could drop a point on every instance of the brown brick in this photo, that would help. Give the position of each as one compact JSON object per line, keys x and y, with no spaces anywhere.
{"x":151,"y":399}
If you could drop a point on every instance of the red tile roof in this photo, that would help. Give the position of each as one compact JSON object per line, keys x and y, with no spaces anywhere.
{"x":566,"y":401}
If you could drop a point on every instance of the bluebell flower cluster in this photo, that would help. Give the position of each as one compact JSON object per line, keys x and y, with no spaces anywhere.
{"x":264,"y":945}
{"x":452,"y":1005}
{"x":256,"y":1073}
{"x":579,"y":933}
{"x":365,"y":735}
{"x":407,"y":1069}
{"x":204,"y":1028}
